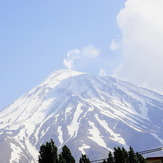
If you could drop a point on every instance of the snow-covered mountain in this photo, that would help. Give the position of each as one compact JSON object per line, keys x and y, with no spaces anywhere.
{"x":90,"y":114}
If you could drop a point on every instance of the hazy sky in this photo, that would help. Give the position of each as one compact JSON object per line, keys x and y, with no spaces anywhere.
{"x":122,"y":38}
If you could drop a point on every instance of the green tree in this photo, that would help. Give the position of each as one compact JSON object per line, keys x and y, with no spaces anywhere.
{"x":140,"y":158}
{"x":132,"y":156}
{"x":123,"y":156}
{"x":104,"y":161}
{"x":48,"y":153}
{"x":65,"y":156}
{"x":84,"y":159}
{"x":110,"y":158}
{"x":118,"y":156}
{"x":61,"y":159}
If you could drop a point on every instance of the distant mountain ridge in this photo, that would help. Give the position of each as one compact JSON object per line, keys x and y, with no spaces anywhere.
{"x":90,"y":114}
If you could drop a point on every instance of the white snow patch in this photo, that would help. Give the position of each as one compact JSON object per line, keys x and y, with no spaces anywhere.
{"x":90,"y":109}
{"x":114,"y":136}
{"x":60,"y":135}
{"x":15,"y":154}
{"x":33,"y":151}
{"x":115,"y":125}
{"x":74,"y":126}
{"x":68,"y":111}
{"x":84,"y":147}
{"x":95,"y":135}
{"x":43,"y":132}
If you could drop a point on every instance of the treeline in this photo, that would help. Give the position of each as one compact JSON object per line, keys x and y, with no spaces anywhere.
{"x":120,"y":155}
{"x":49,"y":154}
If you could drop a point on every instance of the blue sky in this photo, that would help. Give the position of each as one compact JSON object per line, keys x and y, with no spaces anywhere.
{"x":38,"y":37}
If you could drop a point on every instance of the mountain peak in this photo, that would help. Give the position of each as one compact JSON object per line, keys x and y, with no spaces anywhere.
{"x":60,"y":75}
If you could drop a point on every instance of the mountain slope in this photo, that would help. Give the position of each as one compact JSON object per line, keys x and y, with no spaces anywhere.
{"x":88,"y":113}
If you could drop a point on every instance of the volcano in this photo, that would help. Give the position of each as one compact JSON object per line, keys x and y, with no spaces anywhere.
{"x":90,"y":114}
